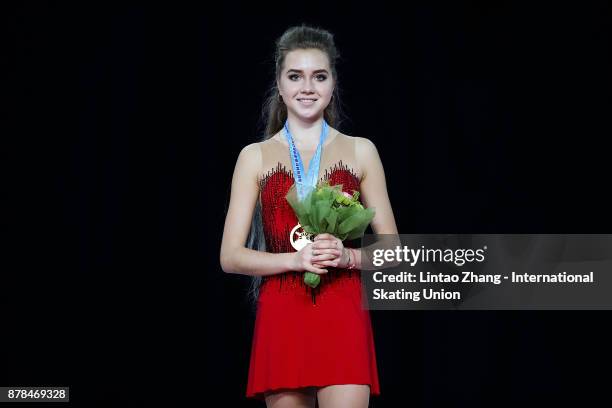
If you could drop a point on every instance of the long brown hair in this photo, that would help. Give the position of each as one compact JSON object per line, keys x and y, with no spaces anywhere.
{"x":274,"y":112}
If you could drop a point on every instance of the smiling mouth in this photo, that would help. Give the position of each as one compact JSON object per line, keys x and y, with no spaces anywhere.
{"x":305,"y":101}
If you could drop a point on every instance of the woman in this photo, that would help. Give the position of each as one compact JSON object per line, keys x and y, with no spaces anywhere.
{"x":308,"y":344}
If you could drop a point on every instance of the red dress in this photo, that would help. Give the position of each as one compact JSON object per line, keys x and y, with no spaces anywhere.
{"x":303,"y":336}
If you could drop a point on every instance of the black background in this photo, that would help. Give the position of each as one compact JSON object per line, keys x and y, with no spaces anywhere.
{"x":125,"y":125}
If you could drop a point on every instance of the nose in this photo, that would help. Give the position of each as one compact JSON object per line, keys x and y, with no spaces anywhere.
{"x":308,"y":88}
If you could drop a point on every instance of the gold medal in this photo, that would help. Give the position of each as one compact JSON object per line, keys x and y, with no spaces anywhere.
{"x":299,"y":238}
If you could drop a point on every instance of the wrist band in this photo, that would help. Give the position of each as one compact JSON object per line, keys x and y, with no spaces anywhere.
{"x":351,"y":264}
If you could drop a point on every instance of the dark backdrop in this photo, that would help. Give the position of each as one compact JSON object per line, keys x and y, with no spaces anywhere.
{"x":490,"y":117}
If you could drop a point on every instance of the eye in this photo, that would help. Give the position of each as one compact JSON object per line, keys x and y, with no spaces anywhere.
{"x":293,"y":76}
{"x":322,"y":77}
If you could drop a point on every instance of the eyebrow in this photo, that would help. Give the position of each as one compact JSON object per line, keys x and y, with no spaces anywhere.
{"x":314,"y":72}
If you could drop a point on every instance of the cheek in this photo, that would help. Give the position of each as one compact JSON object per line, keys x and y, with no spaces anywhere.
{"x":284,"y":84}
{"x":328,"y":95}
{"x":328,"y":90}
{"x":289,"y":88}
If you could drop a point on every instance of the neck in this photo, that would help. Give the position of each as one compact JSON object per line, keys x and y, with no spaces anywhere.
{"x":305,"y":133}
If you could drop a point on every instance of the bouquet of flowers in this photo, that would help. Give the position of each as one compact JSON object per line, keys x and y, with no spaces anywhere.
{"x":327,"y":209}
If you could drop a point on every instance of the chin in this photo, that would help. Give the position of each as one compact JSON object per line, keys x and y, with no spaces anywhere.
{"x":310,"y":115}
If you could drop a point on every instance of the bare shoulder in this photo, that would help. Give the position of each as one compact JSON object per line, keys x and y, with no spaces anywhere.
{"x":364,"y":143}
{"x":360,"y":142}
{"x":251,"y":153}
{"x":275,"y":138}
{"x":364,"y":148}
{"x":366,"y":155}
{"x":249,"y":161}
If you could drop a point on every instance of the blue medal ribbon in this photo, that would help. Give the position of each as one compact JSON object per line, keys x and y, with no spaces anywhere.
{"x":305,"y":183}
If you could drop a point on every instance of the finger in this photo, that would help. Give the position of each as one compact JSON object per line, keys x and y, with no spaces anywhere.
{"x":332,"y":251}
{"x":314,"y":269}
{"x":323,"y":257}
{"x":327,"y":254}
{"x":325,"y":245}
{"x":325,"y":235}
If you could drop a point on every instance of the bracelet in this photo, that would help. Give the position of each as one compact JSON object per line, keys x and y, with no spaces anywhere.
{"x":353,"y":264}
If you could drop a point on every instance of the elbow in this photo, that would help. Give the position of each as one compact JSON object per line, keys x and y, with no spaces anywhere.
{"x":226,"y":263}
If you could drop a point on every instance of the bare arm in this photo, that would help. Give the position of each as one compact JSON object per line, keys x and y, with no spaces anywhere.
{"x":374,"y":186}
{"x":235,"y":257}
{"x":374,"y":192}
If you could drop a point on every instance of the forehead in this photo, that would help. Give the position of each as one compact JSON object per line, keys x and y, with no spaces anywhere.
{"x":306,"y":60}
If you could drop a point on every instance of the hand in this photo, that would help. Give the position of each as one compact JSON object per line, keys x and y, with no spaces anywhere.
{"x":329,"y":251}
{"x":303,"y":261}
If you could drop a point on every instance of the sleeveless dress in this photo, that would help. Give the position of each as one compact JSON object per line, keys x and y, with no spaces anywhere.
{"x":306,"y":337}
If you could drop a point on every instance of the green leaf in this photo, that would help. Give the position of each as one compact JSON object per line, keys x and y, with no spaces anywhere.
{"x":357,"y":221}
{"x":322,"y":209}
{"x":326,"y":209}
{"x":312,"y":279}
{"x":331,"y":218}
